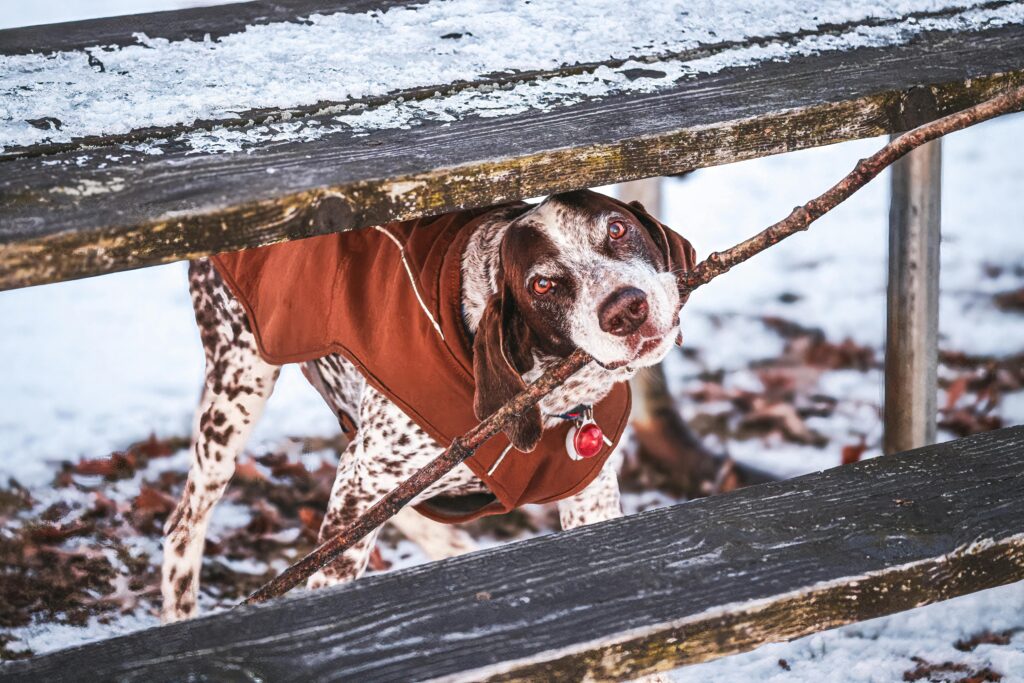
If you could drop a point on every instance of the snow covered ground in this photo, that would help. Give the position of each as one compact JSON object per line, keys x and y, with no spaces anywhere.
{"x":95,"y":365}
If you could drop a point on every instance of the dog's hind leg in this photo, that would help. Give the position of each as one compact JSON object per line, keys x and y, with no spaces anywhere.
{"x":238,"y":383}
{"x":598,"y":502}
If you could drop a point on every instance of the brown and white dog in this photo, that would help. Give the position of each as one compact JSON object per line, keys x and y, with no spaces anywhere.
{"x":578,"y":270}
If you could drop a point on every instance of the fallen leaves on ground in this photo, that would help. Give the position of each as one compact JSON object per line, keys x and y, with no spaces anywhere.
{"x":976,"y":389}
{"x":984,"y":638}
{"x":1010,"y":301}
{"x":789,"y":394}
{"x":953,"y":672}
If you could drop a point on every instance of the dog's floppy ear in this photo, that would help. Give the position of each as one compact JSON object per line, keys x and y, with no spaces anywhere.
{"x":500,"y":342}
{"x":680,"y":256}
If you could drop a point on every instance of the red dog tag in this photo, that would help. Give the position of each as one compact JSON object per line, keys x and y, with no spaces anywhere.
{"x":584,"y":440}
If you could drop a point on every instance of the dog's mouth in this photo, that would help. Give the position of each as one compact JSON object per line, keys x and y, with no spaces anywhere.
{"x":646,"y":346}
{"x":647,"y":349}
{"x":650,"y":339}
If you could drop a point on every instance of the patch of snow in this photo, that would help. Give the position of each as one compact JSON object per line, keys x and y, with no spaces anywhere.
{"x":87,"y":188}
{"x":93,"y":365}
{"x":47,"y":637}
{"x":881,"y":649}
{"x":244,"y":566}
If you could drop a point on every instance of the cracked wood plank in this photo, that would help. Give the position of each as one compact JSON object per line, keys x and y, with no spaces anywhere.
{"x":641,"y":594}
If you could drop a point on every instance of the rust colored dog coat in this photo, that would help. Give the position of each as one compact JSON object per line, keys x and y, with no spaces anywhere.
{"x":351,"y":293}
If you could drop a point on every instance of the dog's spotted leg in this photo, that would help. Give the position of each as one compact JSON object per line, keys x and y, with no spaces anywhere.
{"x":238,"y":383}
{"x":596,"y":503}
{"x":353,"y":494}
{"x":388,"y":448}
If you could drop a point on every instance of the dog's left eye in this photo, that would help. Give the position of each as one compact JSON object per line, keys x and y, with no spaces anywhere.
{"x":542,"y":285}
{"x":617,"y":230}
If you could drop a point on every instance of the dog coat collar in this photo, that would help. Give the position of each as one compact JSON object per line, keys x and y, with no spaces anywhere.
{"x":390,"y":301}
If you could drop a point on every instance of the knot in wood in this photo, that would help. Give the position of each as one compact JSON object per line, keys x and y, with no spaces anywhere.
{"x":917,"y":107}
{"x":332,"y":214}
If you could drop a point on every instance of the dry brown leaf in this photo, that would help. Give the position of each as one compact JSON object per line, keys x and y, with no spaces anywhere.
{"x":853,"y":452}
{"x":377,"y":561}
{"x":152,"y":500}
{"x":311,"y":519}
{"x":956,"y":391}
{"x":247,"y":469}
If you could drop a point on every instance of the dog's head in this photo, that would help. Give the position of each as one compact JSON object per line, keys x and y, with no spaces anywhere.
{"x":578,"y":270}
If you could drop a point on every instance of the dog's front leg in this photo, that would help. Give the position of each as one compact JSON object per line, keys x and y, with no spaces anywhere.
{"x":222,"y":426}
{"x":353,"y":493}
{"x":596,"y":503}
{"x":237,"y":385}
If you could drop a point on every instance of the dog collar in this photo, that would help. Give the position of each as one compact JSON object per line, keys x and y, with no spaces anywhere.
{"x":585,"y":438}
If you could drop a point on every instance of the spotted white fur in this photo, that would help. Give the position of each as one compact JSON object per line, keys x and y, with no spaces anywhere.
{"x":576,"y":235}
{"x":388,"y":446}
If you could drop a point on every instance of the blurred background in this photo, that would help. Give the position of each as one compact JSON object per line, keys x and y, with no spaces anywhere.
{"x":781,"y":371}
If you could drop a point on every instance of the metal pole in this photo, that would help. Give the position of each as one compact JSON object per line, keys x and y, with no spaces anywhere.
{"x":911,"y":345}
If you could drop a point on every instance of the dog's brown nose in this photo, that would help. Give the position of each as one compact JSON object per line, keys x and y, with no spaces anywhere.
{"x":623,"y":312}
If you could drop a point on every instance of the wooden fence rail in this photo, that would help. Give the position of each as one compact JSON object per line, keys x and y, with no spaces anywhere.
{"x":645,"y":593}
{"x":100,"y":205}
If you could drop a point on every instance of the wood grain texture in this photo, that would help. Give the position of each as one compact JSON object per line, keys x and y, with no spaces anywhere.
{"x":76,"y":219}
{"x":649,"y":592}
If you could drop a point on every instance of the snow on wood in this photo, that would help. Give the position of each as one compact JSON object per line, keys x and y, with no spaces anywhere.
{"x":334,"y":60}
{"x":136,"y":200}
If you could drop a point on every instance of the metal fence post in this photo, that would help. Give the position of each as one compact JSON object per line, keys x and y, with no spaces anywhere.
{"x":911,"y":344}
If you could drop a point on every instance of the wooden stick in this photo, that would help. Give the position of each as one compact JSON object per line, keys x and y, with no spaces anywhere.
{"x":388,"y":506}
{"x":715,"y":264}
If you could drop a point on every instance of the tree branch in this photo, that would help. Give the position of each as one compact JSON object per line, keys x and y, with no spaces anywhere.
{"x":716,"y":264}
{"x":802,"y":216}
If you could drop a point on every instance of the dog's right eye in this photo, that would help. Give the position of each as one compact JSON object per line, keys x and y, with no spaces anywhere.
{"x":617,"y":230}
{"x":542,"y":285}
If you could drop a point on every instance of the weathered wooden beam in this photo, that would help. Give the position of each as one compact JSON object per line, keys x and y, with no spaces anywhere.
{"x":75,"y":214}
{"x":636,"y":595}
{"x":912,"y":330}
